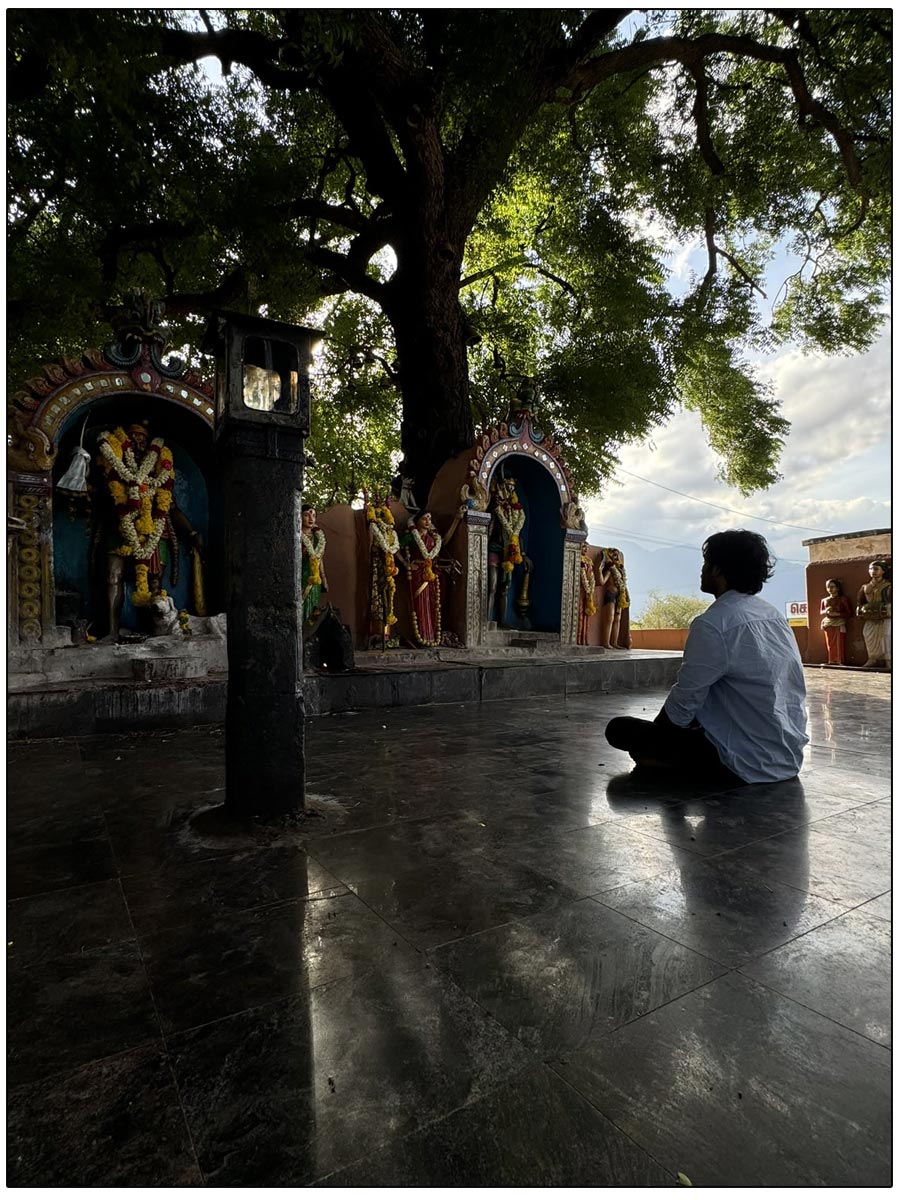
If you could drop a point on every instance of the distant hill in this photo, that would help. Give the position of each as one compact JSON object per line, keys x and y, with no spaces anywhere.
{"x":678,"y":571}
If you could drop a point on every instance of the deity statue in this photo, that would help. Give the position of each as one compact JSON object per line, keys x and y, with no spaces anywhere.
{"x":146,"y":524}
{"x":505,"y":550}
{"x":835,"y":610}
{"x":873,"y":604}
{"x":383,"y":546}
{"x":611,"y":577}
{"x":421,"y":546}
{"x":586,"y":607}
{"x":312,"y":571}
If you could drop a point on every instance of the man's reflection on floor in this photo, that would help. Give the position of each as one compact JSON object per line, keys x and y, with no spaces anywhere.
{"x":735,"y":822}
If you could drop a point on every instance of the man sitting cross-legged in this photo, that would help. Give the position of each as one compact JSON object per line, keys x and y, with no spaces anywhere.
{"x":737,"y":711}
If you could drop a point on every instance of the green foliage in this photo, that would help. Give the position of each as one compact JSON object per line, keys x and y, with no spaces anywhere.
{"x":300,"y":183}
{"x":667,"y":611}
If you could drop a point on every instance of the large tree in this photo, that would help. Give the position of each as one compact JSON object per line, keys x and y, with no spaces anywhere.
{"x":478,"y":192}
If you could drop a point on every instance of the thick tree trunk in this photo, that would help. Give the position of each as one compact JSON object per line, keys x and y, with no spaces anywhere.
{"x":430,"y":331}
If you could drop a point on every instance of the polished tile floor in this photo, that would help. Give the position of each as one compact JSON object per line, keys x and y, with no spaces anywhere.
{"x":491,"y":956}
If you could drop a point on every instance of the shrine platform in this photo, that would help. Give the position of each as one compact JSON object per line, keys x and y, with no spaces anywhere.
{"x":491,"y":954}
{"x":173,"y":682}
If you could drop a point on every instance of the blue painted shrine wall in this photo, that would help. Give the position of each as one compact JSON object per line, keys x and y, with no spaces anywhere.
{"x":80,"y":559}
{"x":542,"y":540}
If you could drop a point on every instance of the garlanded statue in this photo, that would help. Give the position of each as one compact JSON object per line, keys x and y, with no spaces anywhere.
{"x":835,"y":610}
{"x":505,"y":550}
{"x":383,"y":546}
{"x":140,"y":475}
{"x":611,"y":577}
{"x":586,"y":607}
{"x":873,"y":604}
{"x":421,"y":545}
{"x":312,"y":570}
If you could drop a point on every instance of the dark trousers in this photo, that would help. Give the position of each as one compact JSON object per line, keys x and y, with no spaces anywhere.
{"x":689,"y":752}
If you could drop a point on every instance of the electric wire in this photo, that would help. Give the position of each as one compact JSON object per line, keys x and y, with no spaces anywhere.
{"x":646,"y":537}
{"x":724,"y":507}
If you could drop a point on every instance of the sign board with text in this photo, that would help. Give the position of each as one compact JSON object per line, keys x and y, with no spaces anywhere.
{"x":795,"y":611}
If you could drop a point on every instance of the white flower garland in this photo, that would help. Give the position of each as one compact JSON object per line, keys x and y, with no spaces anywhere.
{"x":315,"y":549}
{"x":143,"y":547}
{"x":512,"y":520}
{"x":420,"y":542}
{"x":385,"y":537}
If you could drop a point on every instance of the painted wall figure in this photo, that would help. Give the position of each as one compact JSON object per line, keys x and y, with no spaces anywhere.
{"x":143,"y":524}
{"x":421,"y":546}
{"x":313,"y":581}
{"x":611,"y":577}
{"x":835,"y":610}
{"x":383,"y":546}
{"x":588,"y":585}
{"x":873,"y":604}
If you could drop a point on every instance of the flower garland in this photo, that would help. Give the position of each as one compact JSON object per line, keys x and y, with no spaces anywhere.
{"x":588,"y":583}
{"x":315,"y":550}
{"x":381,"y":523}
{"x":142,"y":494}
{"x":511,"y":516}
{"x":428,"y":556}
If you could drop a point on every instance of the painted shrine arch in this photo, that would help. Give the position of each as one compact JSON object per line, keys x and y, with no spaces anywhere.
{"x":123,"y":383}
{"x":55,"y":412}
{"x":520,"y":439}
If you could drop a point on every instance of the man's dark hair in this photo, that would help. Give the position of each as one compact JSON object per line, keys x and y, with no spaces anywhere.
{"x":743,"y":558}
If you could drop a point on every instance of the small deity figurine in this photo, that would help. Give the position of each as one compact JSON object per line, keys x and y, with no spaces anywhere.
{"x":611,"y":577}
{"x":312,"y":571}
{"x":504,"y":547}
{"x":383,"y":546}
{"x":873,"y":604}
{"x":835,"y":610}
{"x":421,"y":545}
{"x":586,"y":607}
{"x":140,"y":476}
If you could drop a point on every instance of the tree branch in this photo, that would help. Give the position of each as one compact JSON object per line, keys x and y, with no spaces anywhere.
{"x":345,"y":270}
{"x":692,"y":51}
{"x":700,"y":114}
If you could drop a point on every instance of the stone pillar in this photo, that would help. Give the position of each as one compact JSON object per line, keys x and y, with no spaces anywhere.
{"x":568,"y":624}
{"x":31,"y":601}
{"x":262,"y":476}
{"x":477,"y":526}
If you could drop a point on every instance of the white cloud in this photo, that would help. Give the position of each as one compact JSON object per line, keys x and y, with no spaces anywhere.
{"x":836,"y":464}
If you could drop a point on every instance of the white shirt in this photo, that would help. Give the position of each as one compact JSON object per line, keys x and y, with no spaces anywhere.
{"x":742,"y":679}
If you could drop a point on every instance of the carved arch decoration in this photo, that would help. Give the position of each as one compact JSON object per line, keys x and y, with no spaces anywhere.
{"x":131,"y":365}
{"x":519,"y":435}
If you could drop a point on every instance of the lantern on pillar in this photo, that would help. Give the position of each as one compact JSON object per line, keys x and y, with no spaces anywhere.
{"x":262,"y":419}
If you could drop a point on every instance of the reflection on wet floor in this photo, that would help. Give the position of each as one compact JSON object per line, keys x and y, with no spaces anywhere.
{"x":491,"y":956}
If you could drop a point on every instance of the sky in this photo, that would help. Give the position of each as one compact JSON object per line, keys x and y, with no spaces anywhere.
{"x":836,"y":462}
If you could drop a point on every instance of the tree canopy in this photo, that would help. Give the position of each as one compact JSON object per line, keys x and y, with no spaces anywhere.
{"x":461,"y":198}
{"x":665,"y":610}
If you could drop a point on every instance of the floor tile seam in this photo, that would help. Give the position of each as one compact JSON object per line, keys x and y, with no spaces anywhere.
{"x":187,"y":1125}
{"x":285,"y":998}
{"x":63,"y":1073}
{"x":193,"y":862}
{"x":342,"y":833}
{"x":596,"y":1107}
{"x":808,"y":1007}
{"x":597,"y":898}
{"x":425,"y":1126}
{"x":239,"y":912}
{"x":377,"y":915}
{"x":149,"y":984}
{"x":760,"y":871}
{"x":70,"y":887}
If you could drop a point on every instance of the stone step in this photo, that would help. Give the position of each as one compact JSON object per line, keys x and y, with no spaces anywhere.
{"x":117,"y":706}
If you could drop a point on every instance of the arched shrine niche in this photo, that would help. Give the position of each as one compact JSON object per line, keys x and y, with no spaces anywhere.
{"x":542,"y":592}
{"x":59,"y":562}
